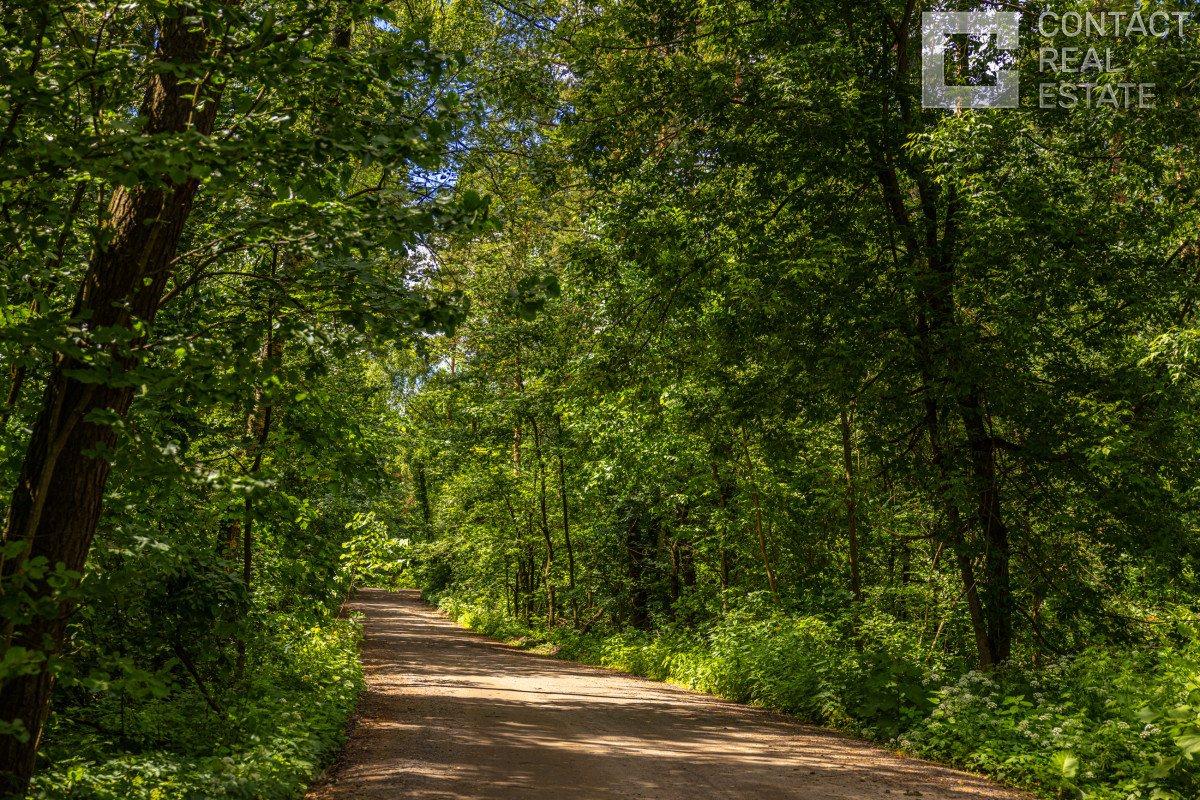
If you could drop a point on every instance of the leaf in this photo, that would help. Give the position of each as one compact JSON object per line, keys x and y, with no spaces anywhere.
{"x":1164,"y":767}
{"x":1181,"y":712}
{"x":1065,"y":763}
{"x":1189,"y":744}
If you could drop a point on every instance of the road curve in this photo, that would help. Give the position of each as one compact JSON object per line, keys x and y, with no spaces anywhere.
{"x":449,"y":714}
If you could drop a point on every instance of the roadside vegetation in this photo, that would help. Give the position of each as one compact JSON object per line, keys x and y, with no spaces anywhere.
{"x":679,"y":335}
{"x":141,"y":736}
{"x":1102,"y":723}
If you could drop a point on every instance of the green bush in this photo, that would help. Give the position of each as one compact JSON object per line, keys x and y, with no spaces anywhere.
{"x":1105,"y":725}
{"x":274,"y":734}
{"x":484,"y":618}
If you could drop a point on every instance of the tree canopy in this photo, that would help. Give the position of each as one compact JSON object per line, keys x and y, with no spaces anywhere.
{"x":628,"y":322}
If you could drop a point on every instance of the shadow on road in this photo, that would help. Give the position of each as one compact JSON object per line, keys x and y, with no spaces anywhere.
{"x":452,"y":714}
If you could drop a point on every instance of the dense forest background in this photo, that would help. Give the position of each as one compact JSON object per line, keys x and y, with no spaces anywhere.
{"x":677,"y":335}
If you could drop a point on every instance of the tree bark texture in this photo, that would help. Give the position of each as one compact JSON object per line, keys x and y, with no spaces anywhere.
{"x":56,"y":504}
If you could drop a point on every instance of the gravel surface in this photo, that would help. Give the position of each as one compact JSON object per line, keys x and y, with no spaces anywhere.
{"x":453,"y":715}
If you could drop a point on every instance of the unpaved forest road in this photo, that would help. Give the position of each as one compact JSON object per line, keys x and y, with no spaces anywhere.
{"x":453,"y":715}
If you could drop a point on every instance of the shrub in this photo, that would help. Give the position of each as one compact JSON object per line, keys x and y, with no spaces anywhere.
{"x":273,"y":736}
{"x":1104,"y":725}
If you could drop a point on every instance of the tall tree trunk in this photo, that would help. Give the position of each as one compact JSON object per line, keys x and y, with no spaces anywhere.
{"x":851,"y":504}
{"x":762,"y":538}
{"x":518,"y":585}
{"x":676,"y":585}
{"x":421,"y":489}
{"x":519,"y":386}
{"x":933,"y":256}
{"x":954,"y":526}
{"x":529,"y":584}
{"x":545,"y":523}
{"x":507,"y":588}
{"x":258,"y":430}
{"x":723,"y":573}
{"x":639,"y":549}
{"x":998,"y":605}
{"x":562,"y":491}
{"x":57,"y":501}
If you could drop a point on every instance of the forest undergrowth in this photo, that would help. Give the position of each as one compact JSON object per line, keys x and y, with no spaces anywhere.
{"x":269,"y":734}
{"x":1104,"y":724}
{"x":179,"y":686}
{"x":687,"y":334}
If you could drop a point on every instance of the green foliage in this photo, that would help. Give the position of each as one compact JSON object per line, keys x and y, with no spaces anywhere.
{"x":839,"y":400}
{"x":816,"y":669}
{"x":279,"y":728}
{"x":372,"y":556}
{"x":1105,"y":724}
{"x":484,"y":618}
{"x":772,"y":383}
{"x":253,"y":473}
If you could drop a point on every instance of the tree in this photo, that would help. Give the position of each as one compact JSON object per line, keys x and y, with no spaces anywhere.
{"x":225,"y":90}
{"x":779,"y":232}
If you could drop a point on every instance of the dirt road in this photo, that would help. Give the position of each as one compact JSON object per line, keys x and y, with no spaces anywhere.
{"x":453,"y":715}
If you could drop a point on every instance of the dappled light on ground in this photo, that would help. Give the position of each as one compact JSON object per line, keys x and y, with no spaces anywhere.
{"x":453,"y":715}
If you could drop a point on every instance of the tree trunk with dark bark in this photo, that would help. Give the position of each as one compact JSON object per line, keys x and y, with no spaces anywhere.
{"x":562,"y":490}
{"x":851,"y":505}
{"x":998,"y":599}
{"x":758,"y":520}
{"x":57,"y":501}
